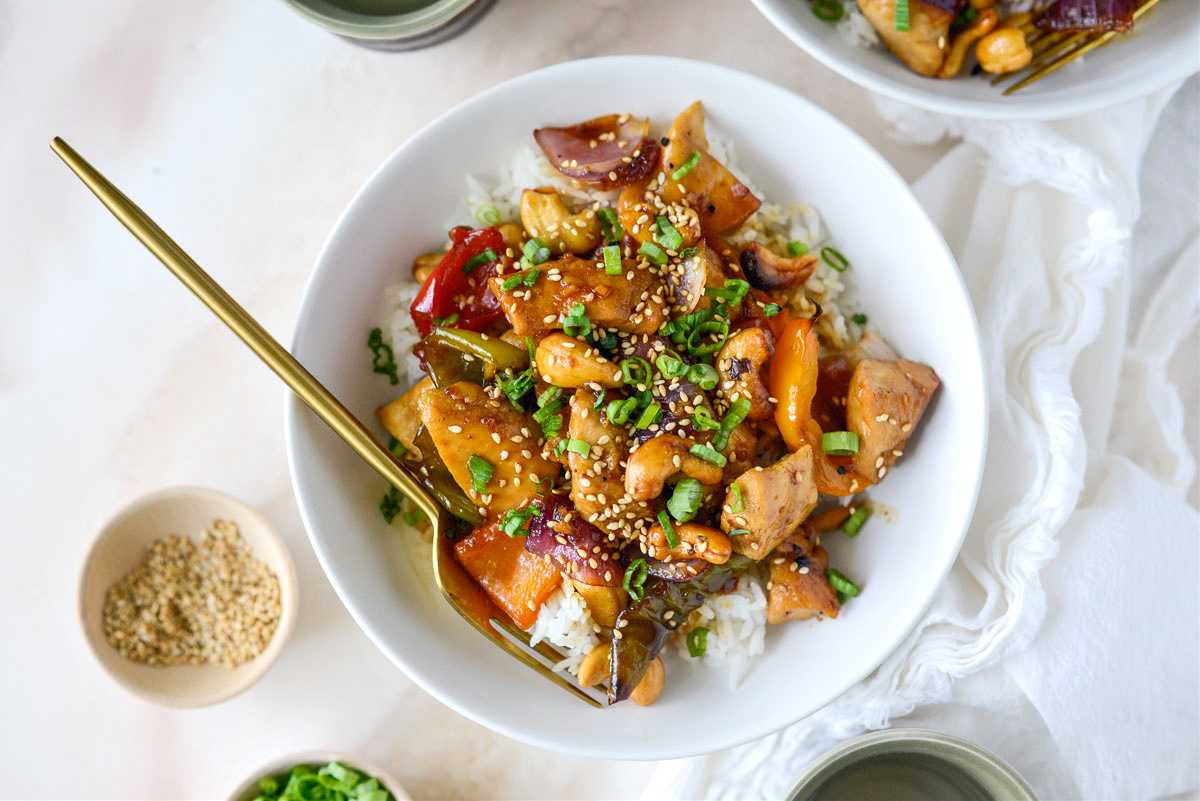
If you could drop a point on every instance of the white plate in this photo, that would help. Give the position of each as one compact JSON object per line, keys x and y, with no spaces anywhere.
{"x":1164,"y":49}
{"x":907,"y":281}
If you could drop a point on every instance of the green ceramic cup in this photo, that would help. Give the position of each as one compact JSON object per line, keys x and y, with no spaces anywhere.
{"x":909,"y":765}
{"x":393,"y":24}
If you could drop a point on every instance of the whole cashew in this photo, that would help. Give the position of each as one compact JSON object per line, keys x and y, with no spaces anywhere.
{"x":594,"y":669}
{"x":957,"y":53}
{"x":423,"y":265}
{"x":1004,"y":50}
{"x":695,"y":541}
{"x":513,"y":236}
{"x":571,"y":364}
{"x":657,"y":460}
{"x":547,"y":218}
{"x":741,"y":362}
{"x":651,"y":685}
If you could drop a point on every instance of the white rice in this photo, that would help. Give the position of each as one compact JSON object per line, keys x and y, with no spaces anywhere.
{"x":736,"y":620}
{"x":737,"y":628}
{"x":565,"y":622}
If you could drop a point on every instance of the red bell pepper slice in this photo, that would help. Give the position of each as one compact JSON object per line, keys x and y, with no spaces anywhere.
{"x":451,"y":290}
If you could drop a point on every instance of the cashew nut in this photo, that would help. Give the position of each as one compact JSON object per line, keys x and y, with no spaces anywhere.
{"x":651,"y":685}
{"x":1004,"y":50}
{"x":594,"y":667}
{"x":513,"y":236}
{"x":957,"y":53}
{"x":571,"y":364}
{"x":695,"y":541}
{"x":657,"y":460}
{"x":545,"y":217}
{"x":423,"y":265}
{"x":741,"y":362}
{"x":765,"y":270}
{"x":636,"y":213}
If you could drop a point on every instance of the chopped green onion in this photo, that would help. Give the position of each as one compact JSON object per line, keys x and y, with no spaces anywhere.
{"x":704,"y":376}
{"x":576,"y":323}
{"x":734,"y":290}
{"x":487,"y":214}
{"x":664,"y":520}
{"x":599,"y":404}
{"x":670,"y":365}
{"x":685,"y":499}
{"x":738,"y":504}
{"x":796,"y":248}
{"x":536,"y":251}
{"x":607,"y":342}
{"x":834,"y":259}
{"x":618,"y":411}
{"x":696,"y":335}
{"x":855,"y":521}
{"x":828,"y":10}
{"x":732,"y":419}
{"x":649,"y":415}
{"x":478,"y":260}
{"x":481,"y":471}
{"x":579,"y":446}
{"x":635,"y":371}
{"x":719,"y":309}
{"x":839,"y":443}
{"x":515,"y":386}
{"x":389,"y":504}
{"x":516,"y":521}
{"x":549,"y":482}
{"x":841,"y":583}
{"x":413,"y":516}
{"x":707,"y":454}
{"x":635,"y":579}
{"x":445,"y":322}
{"x":612,"y":259}
{"x":687,"y":253}
{"x":703,"y":420}
{"x":900,"y":15}
{"x":511,"y":283}
{"x":398,"y":448}
{"x":531,"y":347}
{"x":549,"y":398}
{"x":771,"y":309}
{"x":551,"y":426}
{"x":733,"y":532}
{"x":653,"y":253}
{"x":610,"y":226}
{"x":697,"y":641}
{"x":530,"y":277}
{"x":383,"y":361}
{"x":859,"y":319}
{"x":687,"y":166}
{"x":666,"y":234}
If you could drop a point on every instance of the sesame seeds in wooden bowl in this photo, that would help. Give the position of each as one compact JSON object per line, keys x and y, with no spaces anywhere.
{"x":187,"y":597}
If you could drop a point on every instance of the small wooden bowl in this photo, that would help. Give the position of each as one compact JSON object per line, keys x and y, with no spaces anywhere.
{"x":248,"y":789}
{"x":121,"y":546}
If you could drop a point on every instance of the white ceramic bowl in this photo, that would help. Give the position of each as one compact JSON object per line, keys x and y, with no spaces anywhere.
{"x":907,"y":281}
{"x":1165,"y":49}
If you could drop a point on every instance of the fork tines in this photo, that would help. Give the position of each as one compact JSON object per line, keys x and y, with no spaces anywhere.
{"x":1054,"y":50}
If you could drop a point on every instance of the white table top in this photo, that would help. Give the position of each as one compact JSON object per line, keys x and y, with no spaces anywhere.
{"x":244,"y":131}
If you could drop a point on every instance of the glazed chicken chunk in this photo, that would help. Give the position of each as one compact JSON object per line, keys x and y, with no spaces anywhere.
{"x":798,"y":588}
{"x":773,"y":502}
{"x":923,"y":46}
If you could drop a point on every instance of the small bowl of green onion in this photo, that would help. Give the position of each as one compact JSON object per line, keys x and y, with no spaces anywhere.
{"x":319,"y":776}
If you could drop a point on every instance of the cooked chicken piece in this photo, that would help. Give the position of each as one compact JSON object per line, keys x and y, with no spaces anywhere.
{"x":598,"y":480}
{"x":798,"y":588}
{"x":739,"y":454}
{"x":462,"y":419}
{"x":401,"y":418}
{"x":605,"y":603}
{"x":773,"y":500}
{"x":631,"y":302}
{"x":884,"y":403}
{"x":924,"y":45}
{"x":722,"y":201}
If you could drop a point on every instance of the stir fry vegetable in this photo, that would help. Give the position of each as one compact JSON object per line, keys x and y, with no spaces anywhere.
{"x":630,"y":405}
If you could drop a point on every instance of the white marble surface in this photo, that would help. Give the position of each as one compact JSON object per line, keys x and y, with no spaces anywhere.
{"x":243,"y":131}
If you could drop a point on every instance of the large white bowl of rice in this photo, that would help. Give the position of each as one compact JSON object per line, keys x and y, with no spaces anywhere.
{"x":820,"y":183}
{"x":1163,"y":49}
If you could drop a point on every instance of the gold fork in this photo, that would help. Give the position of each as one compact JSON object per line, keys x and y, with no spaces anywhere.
{"x":1054,"y":50}
{"x":467,"y":598}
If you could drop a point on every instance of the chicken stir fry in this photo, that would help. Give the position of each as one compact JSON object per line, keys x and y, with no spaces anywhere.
{"x":624,"y":401}
{"x":935,"y":38}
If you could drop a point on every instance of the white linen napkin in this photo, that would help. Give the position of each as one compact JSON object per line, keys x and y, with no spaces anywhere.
{"x":1076,"y":585}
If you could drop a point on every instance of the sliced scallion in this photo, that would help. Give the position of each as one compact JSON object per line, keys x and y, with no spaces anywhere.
{"x":481,"y":471}
{"x":854,"y":522}
{"x":697,"y":641}
{"x":576,"y":323}
{"x":900,"y":15}
{"x":685,"y":499}
{"x":666,"y":234}
{"x":704,"y":376}
{"x":478,"y":260}
{"x":707,"y":454}
{"x":612,"y":259}
{"x":839,"y":443}
{"x":703,"y":420}
{"x":580,"y":447}
{"x":648,"y":416}
{"x":610,"y":226}
{"x":511,"y":283}
{"x":695,"y":338}
{"x":653,"y":253}
{"x":664,"y":520}
{"x":634,"y":580}
{"x":535,"y":251}
{"x":796,"y":248}
{"x":771,"y":309}
{"x":834,"y":259}
{"x":687,"y":166}
{"x":841,"y":583}
{"x":828,"y":10}
{"x":738,"y":504}
{"x":487,"y":214}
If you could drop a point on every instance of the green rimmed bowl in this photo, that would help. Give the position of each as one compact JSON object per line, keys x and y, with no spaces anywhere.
{"x":393,"y":24}
{"x":910,"y":765}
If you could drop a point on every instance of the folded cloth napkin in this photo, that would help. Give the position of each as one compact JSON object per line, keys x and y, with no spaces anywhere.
{"x":1076,"y":585}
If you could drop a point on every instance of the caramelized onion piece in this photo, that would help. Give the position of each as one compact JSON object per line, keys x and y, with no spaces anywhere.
{"x":573,"y":545}
{"x":765,"y":270}
{"x":608,"y":152}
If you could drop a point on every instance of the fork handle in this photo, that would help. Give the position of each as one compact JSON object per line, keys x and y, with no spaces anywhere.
{"x":348,"y":427}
